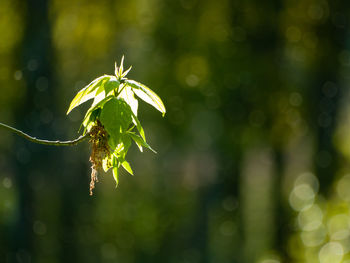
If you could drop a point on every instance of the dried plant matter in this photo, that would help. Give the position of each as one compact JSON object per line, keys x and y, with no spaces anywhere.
{"x":100,"y":150}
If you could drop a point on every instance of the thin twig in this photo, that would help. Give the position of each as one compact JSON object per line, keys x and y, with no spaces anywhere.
{"x":46,"y":142}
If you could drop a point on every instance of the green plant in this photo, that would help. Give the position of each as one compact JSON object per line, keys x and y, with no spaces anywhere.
{"x":112,"y":118}
{"x":111,"y":122}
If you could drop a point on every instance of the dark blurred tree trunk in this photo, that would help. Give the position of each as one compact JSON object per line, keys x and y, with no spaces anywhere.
{"x":327,"y":87}
{"x":260,"y":58}
{"x":168,"y":39}
{"x":32,"y":116}
{"x":282,"y":210}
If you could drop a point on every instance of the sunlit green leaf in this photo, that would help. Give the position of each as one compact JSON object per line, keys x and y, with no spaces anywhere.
{"x":98,"y":105}
{"x":147,"y":95}
{"x":115,"y":165}
{"x":105,"y":90}
{"x":128,"y":95}
{"x":107,"y":163}
{"x":121,"y":67}
{"x":112,"y":143}
{"x":122,"y":148}
{"x":140,"y":142}
{"x":110,"y":85}
{"x":127,"y":167}
{"x":127,"y":143}
{"x":138,"y":126}
{"x":90,"y":119}
{"x":126,"y":72}
{"x":87,"y":93}
{"x":116,"y":69}
{"x":116,"y":117}
{"x":115,"y":176}
{"x":118,"y":149}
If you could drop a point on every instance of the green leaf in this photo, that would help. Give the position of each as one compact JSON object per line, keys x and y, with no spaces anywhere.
{"x":98,"y":105}
{"x":128,"y":95}
{"x":127,"y":167}
{"x":90,"y":119}
{"x":126,"y":72}
{"x":127,"y":143}
{"x":112,"y":144}
{"x":115,"y":165}
{"x":119,"y":70}
{"x":116,"y":117}
{"x":87,"y":93}
{"x":138,"y":126}
{"x":115,"y":176}
{"x":118,"y":149}
{"x":105,"y":90}
{"x":107,"y":163}
{"x":122,"y":148}
{"x":147,"y":95}
{"x":110,"y":85}
{"x":139,"y":141}
{"x":121,"y":67}
{"x":116,"y":69}
{"x":86,"y":120}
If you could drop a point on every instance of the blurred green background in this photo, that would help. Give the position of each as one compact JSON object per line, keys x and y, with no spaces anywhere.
{"x":253,"y":160}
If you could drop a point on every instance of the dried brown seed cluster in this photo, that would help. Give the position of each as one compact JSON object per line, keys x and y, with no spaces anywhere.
{"x":100,"y":150}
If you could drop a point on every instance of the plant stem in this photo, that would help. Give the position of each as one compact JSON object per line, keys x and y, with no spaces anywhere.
{"x":45,"y":142}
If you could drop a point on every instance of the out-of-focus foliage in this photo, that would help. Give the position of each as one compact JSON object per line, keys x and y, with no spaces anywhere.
{"x":256,"y":95}
{"x":322,"y":226}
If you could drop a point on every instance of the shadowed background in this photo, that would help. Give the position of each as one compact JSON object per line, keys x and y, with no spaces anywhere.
{"x":253,"y":160}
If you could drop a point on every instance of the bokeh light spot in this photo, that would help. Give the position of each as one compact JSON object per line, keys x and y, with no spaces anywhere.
{"x":315,"y":12}
{"x":311,"y":218}
{"x":7,"y":182}
{"x":302,"y":197}
{"x":39,"y":228}
{"x":343,"y":187}
{"x":314,"y":238}
{"x":270,"y":261}
{"x":32,"y":65}
{"x":108,"y":251}
{"x":331,"y":252}
{"x":230,"y":203}
{"x":293,"y":34}
{"x":227,"y":228}
{"x":18,"y":75}
{"x":295,"y":99}
{"x":338,"y":227}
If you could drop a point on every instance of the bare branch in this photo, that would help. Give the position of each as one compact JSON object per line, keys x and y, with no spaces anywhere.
{"x":45,"y":142}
